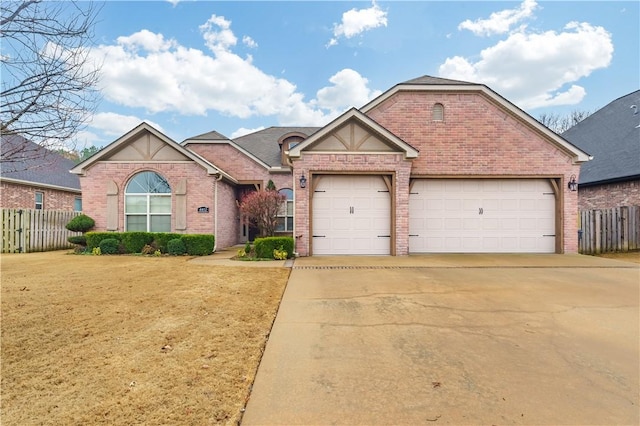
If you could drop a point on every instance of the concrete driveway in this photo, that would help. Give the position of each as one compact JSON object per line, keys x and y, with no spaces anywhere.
{"x":453,"y":339}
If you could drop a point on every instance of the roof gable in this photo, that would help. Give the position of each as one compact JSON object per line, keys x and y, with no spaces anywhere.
{"x":353,"y":132}
{"x":145,"y":143}
{"x":434,"y":84}
{"x":612,"y":136}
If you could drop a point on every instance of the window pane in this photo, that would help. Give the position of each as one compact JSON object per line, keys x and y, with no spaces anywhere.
{"x":148,"y":182}
{"x":287,"y":193}
{"x":280,"y":224}
{"x":160,"y":223}
{"x":136,"y":223}
{"x":289,"y":224}
{"x":289,"y":208}
{"x":136,"y":203}
{"x":159,"y":204}
{"x":77,"y":204}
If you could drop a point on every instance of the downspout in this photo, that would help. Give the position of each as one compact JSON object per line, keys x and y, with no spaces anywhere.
{"x":215,"y":211}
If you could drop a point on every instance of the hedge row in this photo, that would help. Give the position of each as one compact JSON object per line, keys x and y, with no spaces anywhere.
{"x":134,"y":242}
{"x":264,"y":247}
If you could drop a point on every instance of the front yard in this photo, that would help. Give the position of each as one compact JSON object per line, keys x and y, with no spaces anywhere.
{"x":131,"y":339}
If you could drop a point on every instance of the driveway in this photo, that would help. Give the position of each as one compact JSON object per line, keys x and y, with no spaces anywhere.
{"x":453,"y":339}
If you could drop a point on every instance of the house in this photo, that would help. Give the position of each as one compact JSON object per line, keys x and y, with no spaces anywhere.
{"x":36,"y":178}
{"x":431,"y":165}
{"x":612,"y":136}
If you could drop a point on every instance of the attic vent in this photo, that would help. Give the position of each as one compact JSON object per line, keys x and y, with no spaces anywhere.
{"x":437,"y":113}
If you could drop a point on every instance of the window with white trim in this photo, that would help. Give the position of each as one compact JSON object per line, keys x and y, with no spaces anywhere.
{"x":39,"y":205}
{"x":285,"y":216}
{"x":77,"y":204}
{"x":147,"y":203}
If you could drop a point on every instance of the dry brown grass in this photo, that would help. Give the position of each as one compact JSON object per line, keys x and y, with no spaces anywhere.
{"x":631,"y":256}
{"x":131,"y":339}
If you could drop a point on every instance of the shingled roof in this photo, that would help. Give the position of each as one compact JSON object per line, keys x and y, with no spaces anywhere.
{"x":427,"y":79}
{"x":264,"y":143}
{"x":612,"y":136}
{"x":45,"y":167}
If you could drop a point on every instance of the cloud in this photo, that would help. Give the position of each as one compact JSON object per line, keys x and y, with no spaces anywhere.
{"x":244,"y":131}
{"x":113,"y":124}
{"x":534,"y":69}
{"x":349,"y":89}
{"x":145,"y":70}
{"x":249,"y":42}
{"x":500,"y":22}
{"x":357,"y":21}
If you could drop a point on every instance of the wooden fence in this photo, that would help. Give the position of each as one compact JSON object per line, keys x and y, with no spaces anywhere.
{"x":610,"y":230}
{"x":27,"y":230}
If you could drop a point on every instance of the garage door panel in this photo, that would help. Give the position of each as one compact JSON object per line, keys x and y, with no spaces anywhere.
{"x":482,"y":215}
{"x":351,"y":211}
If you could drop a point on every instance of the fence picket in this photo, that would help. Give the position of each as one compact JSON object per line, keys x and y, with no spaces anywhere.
{"x":28,"y":230}
{"x":607,"y":230}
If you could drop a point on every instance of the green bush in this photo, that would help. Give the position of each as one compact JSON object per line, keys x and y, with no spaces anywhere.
{"x":160,"y":240}
{"x":134,"y":241}
{"x":176,"y":247}
{"x":80,"y":223}
{"x":80,"y":240}
{"x":109,"y":246}
{"x":199,"y":244}
{"x":264,"y":247}
{"x":94,"y":238}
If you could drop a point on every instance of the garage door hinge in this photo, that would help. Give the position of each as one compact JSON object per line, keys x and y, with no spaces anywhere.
{"x":319,"y":236}
{"x":384,"y":236}
{"x":384,"y":191}
{"x":414,"y":235}
{"x":319,"y":191}
{"x":549,"y":235}
{"x":413,"y":193}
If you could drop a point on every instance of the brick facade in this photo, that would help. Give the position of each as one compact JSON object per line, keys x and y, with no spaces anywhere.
{"x":609,"y":195}
{"x":19,"y":196}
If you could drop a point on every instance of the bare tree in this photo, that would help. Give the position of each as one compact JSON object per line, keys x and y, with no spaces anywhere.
{"x":561,"y":123}
{"x":260,"y":209}
{"x":49,"y":83}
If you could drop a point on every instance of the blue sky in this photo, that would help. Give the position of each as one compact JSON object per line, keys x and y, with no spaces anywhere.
{"x":189,"y":67}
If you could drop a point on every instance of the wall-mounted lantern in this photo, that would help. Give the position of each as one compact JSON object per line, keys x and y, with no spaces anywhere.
{"x":303,"y":181}
{"x":573,"y":184}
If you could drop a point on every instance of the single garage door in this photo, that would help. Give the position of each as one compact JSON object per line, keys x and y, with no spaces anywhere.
{"x":351,"y":215}
{"x":481,"y":216}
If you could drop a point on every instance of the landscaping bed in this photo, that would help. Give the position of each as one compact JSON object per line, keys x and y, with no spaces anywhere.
{"x":131,"y":339}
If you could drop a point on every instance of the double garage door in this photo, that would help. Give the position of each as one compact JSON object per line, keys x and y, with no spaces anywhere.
{"x":352,"y":215}
{"x":482,"y":216}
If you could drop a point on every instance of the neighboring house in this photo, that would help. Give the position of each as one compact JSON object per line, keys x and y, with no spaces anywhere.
{"x":431,"y":165}
{"x":612,"y":136}
{"x":36,"y":178}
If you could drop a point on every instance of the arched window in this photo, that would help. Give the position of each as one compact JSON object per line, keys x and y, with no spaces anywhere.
{"x":438,"y":112}
{"x":285,"y":217}
{"x":147,"y":203}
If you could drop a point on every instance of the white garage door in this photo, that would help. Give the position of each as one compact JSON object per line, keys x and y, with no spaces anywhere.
{"x":482,"y":216}
{"x":351,"y":215}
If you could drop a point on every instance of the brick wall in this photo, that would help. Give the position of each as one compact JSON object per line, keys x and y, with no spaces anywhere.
{"x":339,"y":163}
{"x":17,"y":196}
{"x":478,"y":138}
{"x":609,"y":195}
{"x":200,"y":192}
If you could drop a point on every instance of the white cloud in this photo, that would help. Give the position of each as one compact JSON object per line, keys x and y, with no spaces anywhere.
{"x":534,"y":69}
{"x":357,"y":21}
{"x":113,"y":124}
{"x":349,"y":89}
{"x":144,"y":70}
{"x":500,"y":22}
{"x":249,"y":42}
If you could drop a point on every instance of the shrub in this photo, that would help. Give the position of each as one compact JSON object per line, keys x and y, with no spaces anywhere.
{"x":94,"y":238}
{"x":81,"y":223}
{"x":96,"y":251}
{"x":280,"y":254}
{"x":148,"y":249}
{"x":134,"y":241}
{"x":109,"y":246}
{"x":79,"y":240}
{"x":264,"y":247}
{"x":160,"y":240}
{"x":176,"y":247}
{"x":199,"y":244}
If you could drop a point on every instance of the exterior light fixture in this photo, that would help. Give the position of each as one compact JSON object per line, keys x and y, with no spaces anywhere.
{"x":303,"y":181}
{"x":573,"y":184}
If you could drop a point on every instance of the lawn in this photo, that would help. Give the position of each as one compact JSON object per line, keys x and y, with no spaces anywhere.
{"x":131,"y":339}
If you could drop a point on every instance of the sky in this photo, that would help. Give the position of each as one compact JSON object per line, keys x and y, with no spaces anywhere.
{"x":190,"y":67}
